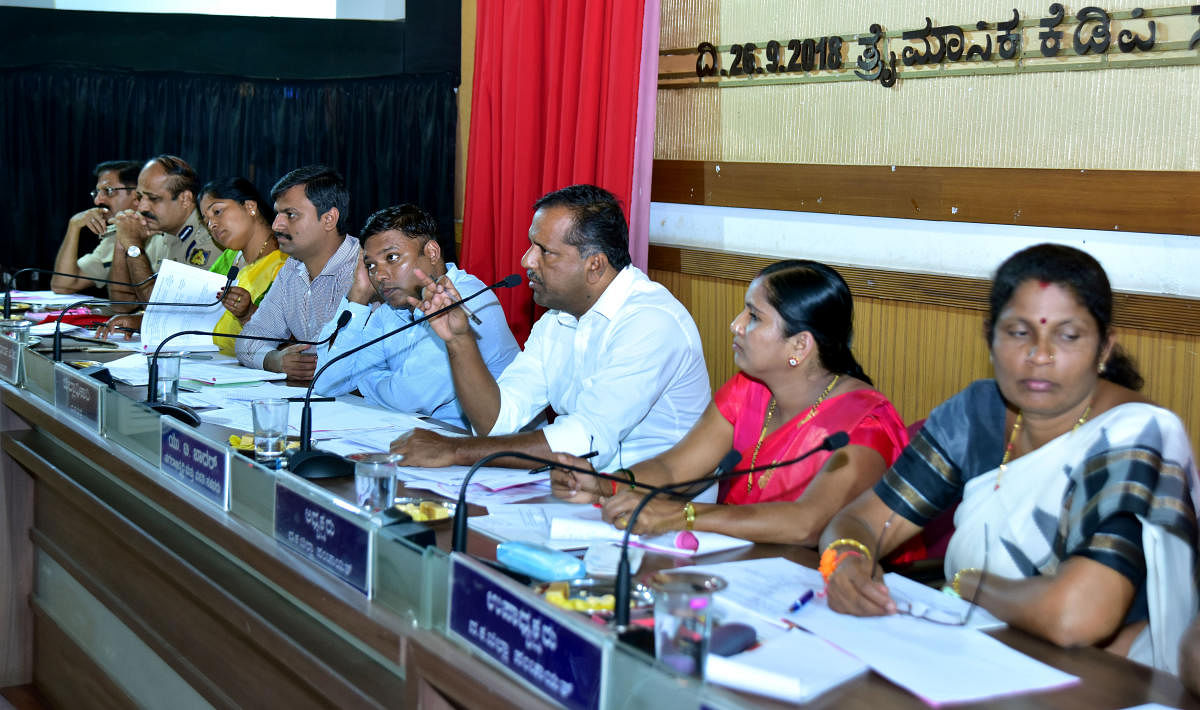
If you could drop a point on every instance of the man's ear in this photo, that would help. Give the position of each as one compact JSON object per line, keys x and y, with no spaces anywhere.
{"x":329,"y":220}
{"x":596,"y":266}
{"x":432,"y":250}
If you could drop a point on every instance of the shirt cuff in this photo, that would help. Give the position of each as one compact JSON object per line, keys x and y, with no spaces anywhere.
{"x":257,"y":358}
{"x":567,"y":435}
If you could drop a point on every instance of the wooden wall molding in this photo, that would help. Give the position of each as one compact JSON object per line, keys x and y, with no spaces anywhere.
{"x":1162,"y":202}
{"x":1167,"y":314}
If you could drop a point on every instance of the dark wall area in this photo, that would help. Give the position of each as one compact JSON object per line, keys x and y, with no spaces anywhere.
{"x":232,"y":95}
{"x":270,"y":47}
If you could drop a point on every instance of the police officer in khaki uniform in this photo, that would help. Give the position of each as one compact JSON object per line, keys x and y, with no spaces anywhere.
{"x":166,"y":193}
{"x":116,"y":186}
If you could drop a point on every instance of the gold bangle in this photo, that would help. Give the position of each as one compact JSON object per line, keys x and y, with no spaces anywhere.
{"x":689,"y":516}
{"x":958,"y":579}
{"x":851,"y":542}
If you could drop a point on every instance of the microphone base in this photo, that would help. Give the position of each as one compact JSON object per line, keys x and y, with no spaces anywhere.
{"x":315,"y":463}
{"x":182,"y":412}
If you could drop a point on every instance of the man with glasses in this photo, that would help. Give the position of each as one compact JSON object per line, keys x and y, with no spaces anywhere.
{"x":165,"y":202}
{"x":116,"y":186}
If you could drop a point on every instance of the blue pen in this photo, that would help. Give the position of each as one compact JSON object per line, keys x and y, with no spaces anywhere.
{"x":804,"y":599}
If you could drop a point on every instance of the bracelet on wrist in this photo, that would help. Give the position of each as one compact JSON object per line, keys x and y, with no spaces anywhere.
{"x":831,"y":558}
{"x":632,"y":480}
{"x":852,"y":543}
{"x":689,"y":516}
{"x":957,"y":581}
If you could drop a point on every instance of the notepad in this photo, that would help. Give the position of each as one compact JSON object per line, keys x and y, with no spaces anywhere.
{"x":795,"y":667}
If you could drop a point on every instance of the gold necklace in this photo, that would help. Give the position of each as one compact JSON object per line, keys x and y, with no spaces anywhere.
{"x":266,"y":243}
{"x":765,"y":476}
{"x":1012,"y":440}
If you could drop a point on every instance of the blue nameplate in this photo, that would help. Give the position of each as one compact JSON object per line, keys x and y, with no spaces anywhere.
{"x":319,"y":534}
{"x":195,"y":462}
{"x":10,"y":360}
{"x":562,"y":663}
{"x":77,"y":395}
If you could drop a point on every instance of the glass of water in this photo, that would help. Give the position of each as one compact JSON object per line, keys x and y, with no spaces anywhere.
{"x":270,"y":428}
{"x":17,"y":329}
{"x":683,"y":618}
{"x":375,"y":480}
{"x":168,"y":376}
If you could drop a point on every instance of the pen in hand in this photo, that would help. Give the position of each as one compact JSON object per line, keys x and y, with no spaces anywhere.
{"x":545,"y":469}
{"x":467,"y":311}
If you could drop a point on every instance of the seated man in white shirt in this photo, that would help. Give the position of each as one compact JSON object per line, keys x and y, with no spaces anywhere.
{"x":617,"y":357}
{"x":408,"y":371}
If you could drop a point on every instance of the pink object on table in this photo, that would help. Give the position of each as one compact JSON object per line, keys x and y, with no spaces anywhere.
{"x":685,"y":540}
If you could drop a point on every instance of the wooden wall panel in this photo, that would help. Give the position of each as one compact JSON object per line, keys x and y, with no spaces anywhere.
{"x":1125,"y":200}
{"x":920,"y":354}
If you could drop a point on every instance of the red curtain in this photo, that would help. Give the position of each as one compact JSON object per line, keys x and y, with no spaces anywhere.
{"x":554,"y":104}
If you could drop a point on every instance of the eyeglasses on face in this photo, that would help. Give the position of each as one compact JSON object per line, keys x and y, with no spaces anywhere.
{"x":109,"y":191}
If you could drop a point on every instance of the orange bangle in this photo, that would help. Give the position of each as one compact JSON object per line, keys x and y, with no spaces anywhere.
{"x":830,"y":559}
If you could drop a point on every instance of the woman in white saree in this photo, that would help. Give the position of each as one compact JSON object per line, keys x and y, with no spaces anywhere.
{"x":1077,"y":497}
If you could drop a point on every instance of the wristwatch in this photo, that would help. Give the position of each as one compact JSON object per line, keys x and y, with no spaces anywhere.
{"x":133,"y":251}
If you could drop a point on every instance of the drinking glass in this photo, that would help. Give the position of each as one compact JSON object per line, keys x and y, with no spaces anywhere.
{"x":375,"y":480}
{"x":683,"y":618}
{"x":270,"y":428}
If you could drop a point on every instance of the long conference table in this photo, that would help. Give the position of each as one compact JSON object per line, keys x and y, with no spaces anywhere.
{"x":153,"y":566}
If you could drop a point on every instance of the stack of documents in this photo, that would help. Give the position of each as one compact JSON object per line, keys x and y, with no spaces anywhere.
{"x":938,"y":662}
{"x":795,"y":667}
{"x":180,"y":283}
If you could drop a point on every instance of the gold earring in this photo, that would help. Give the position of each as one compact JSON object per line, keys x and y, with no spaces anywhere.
{"x":792,"y":361}
{"x":1100,"y":369}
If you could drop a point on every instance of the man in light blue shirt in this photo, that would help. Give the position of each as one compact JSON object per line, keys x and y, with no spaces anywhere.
{"x":409,"y":371}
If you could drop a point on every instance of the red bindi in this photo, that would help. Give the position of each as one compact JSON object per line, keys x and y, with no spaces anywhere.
{"x":1043,"y":321}
{"x":1044,"y":284}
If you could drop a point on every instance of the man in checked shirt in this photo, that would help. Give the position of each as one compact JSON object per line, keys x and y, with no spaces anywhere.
{"x":311,"y":206}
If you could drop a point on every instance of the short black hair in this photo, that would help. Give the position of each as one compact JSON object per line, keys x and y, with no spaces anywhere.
{"x":600,"y":225}
{"x":1077,"y":272}
{"x":180,"y":175}
{"x":126,"y":170}
{"x":323,"y":186}
{"x":410,"y":219}
{"x":240,"y":190}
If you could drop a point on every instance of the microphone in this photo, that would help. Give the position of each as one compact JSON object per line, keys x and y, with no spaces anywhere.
{"x":459,"y":541}
{"x":12,"y":283}
{"x":186,"y":414}
{"x":308,"y":462}
{"x":723,"y":471}
{"x":57,"y":353}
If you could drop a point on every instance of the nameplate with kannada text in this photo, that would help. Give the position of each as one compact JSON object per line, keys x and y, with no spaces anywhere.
{"x":197,"y":463}
{"x":318,"y":533}
{"x":10,"y":360}
{"x":77,"y":395}
{"x":560,"y":662}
